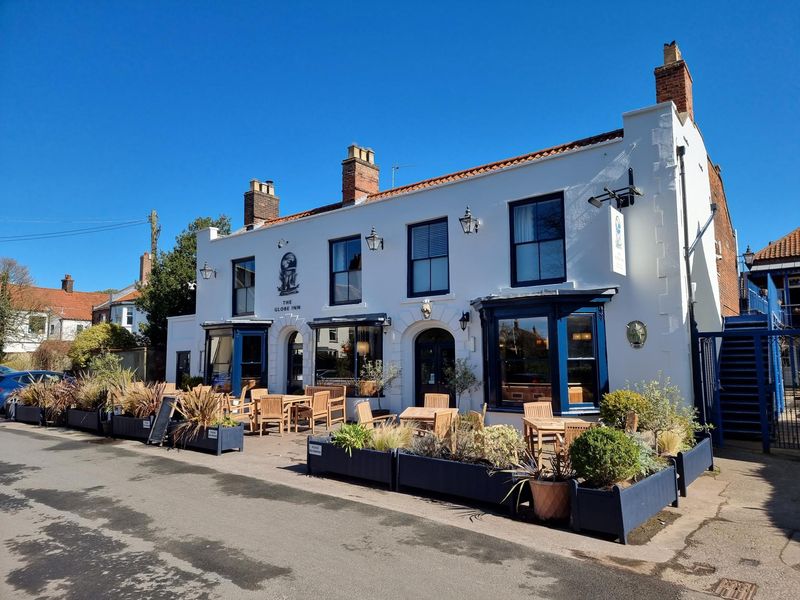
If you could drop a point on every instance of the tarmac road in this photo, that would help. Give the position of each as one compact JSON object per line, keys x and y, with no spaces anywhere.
{"x":83,"y":520}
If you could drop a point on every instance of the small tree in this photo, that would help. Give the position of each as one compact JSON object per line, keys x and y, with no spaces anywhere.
{"x":99,"y":338}
{"x":18,"y":302}
{"x":461,"y":379}
{"x":381,"y":377}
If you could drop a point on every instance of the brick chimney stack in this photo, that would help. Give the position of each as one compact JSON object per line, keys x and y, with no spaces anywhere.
{"x":67,"y":283}
{"x":359,"y":174}
{"x":145,"y":265}
{"x":673,"y":81}
{"x":260,"y":203}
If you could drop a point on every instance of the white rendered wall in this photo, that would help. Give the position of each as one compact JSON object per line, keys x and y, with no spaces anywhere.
{"x":182,"y":337}
{"x":653,"y":291}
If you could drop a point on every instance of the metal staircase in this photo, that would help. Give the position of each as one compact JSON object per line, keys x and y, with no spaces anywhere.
{"x":738,"y":393}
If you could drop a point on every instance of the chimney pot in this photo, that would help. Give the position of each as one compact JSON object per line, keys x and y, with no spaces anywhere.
{"x":360,"y":174}
{"x":260,"y":203}
{"x":67,"y":284}
{"x":673,"y":80}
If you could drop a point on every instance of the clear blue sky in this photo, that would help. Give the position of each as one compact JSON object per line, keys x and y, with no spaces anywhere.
{"x":109,"y":109}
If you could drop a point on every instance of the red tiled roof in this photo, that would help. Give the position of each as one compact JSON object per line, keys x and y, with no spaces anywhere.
{"x":74,"y":305}
{"x":786,"y":247}
{"x":500,"y":164}
{"x":130,"y":296}
{"x":465,"y":174}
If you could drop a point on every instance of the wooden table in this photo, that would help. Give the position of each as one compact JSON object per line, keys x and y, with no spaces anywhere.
{"x":424,"y":414}
{"x":550,"y":426}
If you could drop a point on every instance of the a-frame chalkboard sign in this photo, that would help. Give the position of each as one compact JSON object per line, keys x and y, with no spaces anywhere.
{"x":158,"y":431}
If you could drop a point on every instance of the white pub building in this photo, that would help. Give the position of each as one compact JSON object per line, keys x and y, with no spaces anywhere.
{"x":558,"y":275}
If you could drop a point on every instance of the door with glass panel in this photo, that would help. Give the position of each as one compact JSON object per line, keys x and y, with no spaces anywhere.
{"x":434,"y":353}
{"x":249,"y":360}
{"x":294,"y":364}
{"x":580,"y":361}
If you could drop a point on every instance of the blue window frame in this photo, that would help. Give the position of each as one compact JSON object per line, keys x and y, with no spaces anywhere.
{"x":428,"y":258}
{"x":537,"y":240}
{"x":345,"y":265}
{"x":244,"y":286}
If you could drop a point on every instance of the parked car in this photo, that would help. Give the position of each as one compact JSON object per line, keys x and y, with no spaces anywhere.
{"x":4,"y":369}
{"x":18,"y":379}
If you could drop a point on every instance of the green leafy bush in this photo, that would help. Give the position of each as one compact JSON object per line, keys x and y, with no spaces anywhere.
{"x":351,"y":436}
{"x":615,"y":406}
{"x":188,"y":382}
{"x":96,"y":339}
{"x":604,"y":456}
{"x":500,"y":445}
{"x":666,"y":410}
{"x":649,"y":460}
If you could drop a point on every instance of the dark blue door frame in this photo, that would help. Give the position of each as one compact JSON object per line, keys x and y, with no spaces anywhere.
{"x":236,"y":366}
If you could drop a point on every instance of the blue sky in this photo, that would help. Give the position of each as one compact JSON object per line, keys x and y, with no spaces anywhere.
{"x":109,"y":109}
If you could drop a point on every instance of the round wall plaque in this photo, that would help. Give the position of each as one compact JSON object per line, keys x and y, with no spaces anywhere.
{"x":636,"y":332}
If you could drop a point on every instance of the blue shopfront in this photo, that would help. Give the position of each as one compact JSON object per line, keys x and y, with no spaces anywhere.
{"x":545,"y":348}
{"x":236,"y":354}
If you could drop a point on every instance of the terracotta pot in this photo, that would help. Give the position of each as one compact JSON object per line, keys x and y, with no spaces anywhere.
{"x":550,"y":499}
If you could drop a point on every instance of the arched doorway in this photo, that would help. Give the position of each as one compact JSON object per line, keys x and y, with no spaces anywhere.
{"x":434,"y":351}
{"x":294,"y":364}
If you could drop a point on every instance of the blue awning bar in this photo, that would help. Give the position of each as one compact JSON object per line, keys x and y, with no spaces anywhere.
{"x":236,"y":323}
{"x":377,"y":319}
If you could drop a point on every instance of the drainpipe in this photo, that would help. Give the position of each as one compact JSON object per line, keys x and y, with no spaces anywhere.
{"x":695,"y":362}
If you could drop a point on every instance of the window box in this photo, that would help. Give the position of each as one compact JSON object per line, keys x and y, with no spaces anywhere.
{"x":370,"y":465}
{"x":32,"y":415}
{"x":214,"y":439}
{"x":87,"y":420}
{"x":464,"y":481}
{"x":620,"y":510}
{"x":131,"y":427}
{"x":692,"y":463}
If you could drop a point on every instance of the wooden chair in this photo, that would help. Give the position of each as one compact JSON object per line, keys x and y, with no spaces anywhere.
{"x":572,"y":431}
{"x":436,"y":401}
{"x":364,"y":414}
{"x":537,"y":410}
{"x":243,"y":411}
{"x":441,"y":423}
{"x":272,"y":410}
{"x":337,"y":403}
{"x":318,"y":409}
{"x":479,"y":419}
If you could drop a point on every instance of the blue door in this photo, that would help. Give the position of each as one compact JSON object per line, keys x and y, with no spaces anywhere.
{"x":249,"y":360}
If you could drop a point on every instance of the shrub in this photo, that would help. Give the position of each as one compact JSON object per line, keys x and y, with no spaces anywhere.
{"x":51,"y":395}
{"x":188,"y":382}
{"x":90,"y":394}
{"x":99,"y":338}
{"x":604,"y":456}
{"x":143,"y":401}
{"x":615,"y":406}
{"x":200,"y":409}
{"x":666,"y":410}
{"x":649,"y":461}
{"x":391,"y":437}
{"x":20,"y":361}
{"x":351,"y":436}
{"x":500,"y":445}
{"x":52,"y":355}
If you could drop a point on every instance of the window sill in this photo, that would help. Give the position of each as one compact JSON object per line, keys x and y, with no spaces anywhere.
{"x":334,"y":307}
{"x":438,"y":297}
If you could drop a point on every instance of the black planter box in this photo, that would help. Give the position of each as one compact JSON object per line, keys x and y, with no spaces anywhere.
{"x":370,"y":465}
{"x":214,"y":439}
{"x":87,"y":420}
{"x":131,"y":427}
{"x":461,"y":480}
{"x":692,"y":463}
{"x":28,"y":414}
{"x":620,"y":510}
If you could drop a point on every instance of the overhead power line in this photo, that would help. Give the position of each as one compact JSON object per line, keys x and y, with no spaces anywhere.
{"x":72,"y":232}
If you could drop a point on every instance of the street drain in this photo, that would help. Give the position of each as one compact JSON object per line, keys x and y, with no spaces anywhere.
{"x":736,"y":590}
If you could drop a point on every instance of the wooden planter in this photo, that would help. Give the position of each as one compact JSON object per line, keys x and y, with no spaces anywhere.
{"x":86,"y":420}
{"x":692,"y":463}
{"x":370,"y":465}
{"x":214,"y":439}
{"x":28,"y":414}
{"x":619,"y":510}
{"x":131,"y":427}
{"x":550,"y":499}
{"x":452,"y":478}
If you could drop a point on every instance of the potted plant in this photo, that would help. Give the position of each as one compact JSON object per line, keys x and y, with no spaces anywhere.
{"x":359,"y":452}
{"x":87,"y":404}
{"x":375,"y":378}
{"x":620,"y":482}
{"x":461,"y":379}
{"x":28,"y":402}
{"x":549,"y":486}
{"x":470,"y":463}
{"x":134,"y":416}
{"x":202,"y":427}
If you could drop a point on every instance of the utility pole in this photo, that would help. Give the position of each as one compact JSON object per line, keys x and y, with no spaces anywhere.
{"x":155,"y":229}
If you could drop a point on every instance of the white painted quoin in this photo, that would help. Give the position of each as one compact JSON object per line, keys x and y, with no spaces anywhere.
{"x":653,"y":291}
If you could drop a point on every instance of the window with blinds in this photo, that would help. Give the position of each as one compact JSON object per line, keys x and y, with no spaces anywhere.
{"x":537,"y":241}
{"x":428,"y":268}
